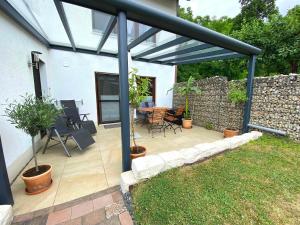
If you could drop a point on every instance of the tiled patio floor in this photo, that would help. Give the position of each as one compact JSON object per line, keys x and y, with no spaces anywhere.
{"x":99,"y":166}
{"x":101,"y":208}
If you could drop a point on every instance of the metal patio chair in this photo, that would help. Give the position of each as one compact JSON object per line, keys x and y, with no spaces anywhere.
{"x":74,"y":117}
{"x":174,"y":118}
{"x":72,"y":104}
{"x":60,"y":132}
{"x":156,"y":120}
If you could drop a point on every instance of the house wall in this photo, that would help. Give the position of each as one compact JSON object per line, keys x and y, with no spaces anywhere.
{"x":16,"y":78}
{"x":168,"y":6}
{"x":72,"y":76}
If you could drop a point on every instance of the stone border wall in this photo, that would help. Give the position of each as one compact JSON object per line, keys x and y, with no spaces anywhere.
{"x":276,"y":104}
{"x":149,"y":166}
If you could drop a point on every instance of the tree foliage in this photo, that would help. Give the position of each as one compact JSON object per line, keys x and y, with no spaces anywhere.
{"x":138,"y":91}
{"x":186,"y":90}
{"x":260,"y":24}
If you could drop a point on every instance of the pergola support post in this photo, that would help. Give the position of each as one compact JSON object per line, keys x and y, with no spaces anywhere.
{"x":6,"y":197}
{"x":124,"y":90}
{"x":250,"y":79}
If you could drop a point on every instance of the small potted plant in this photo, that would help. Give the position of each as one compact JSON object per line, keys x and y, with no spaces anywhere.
{"x":236,"y":96}
{"x":186,"y":90}
{"x":138,"y":91}
{"x":33,"y":115}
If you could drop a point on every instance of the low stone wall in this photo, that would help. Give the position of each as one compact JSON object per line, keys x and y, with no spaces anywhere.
{"x":151,"y":165}
{"x":276,"y":104}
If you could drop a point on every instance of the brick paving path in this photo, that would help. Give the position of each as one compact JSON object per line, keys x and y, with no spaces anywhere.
{"x":101,"y":208}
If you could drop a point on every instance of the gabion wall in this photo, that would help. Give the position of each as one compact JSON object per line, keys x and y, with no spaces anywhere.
{"x":276,"y":104}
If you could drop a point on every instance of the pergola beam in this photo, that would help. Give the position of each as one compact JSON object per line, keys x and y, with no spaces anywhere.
{"x":213,"y":58}
{"x":200,"y":55}
{"x":182,"y":51}
{"x":169,"y":44}
{"x":110,"y":26}
{"x":149,"y":33}
{"x":62,"y":14}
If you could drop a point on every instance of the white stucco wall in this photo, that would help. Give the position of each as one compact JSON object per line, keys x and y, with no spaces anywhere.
{"x":72,"y":76}
{"x":16,"y":79}
{"x":168,"y":6}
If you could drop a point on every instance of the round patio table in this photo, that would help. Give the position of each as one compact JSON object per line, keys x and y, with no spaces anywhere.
{"x":150,"y":109}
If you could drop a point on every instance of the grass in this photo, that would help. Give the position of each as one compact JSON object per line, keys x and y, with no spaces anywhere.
{"x":258,"y":183}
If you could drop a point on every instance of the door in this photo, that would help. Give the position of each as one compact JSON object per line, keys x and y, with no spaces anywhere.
{"x":108,"y":100}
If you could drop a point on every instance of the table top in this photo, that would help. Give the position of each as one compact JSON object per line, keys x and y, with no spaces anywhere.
{"x":150,"y":109}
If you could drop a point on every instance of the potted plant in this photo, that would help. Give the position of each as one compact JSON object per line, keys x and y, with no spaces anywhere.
{"x":236,"y":96}
{"x":33,"y":115}
{"x":186,"y":90}
{"x":138,"y":91}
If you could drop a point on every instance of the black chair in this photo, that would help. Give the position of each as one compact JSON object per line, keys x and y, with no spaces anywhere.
{"x":173,"y":118}
{"x":72,"y":104}
{"x":60,"y":132}
{"x":71,"y":112}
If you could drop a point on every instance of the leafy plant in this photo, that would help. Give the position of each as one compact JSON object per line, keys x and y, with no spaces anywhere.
{"x":138,"y":91}
{"x":32,"y":115}
{"x":237,"y":93}
{"x":209,"y":126}
{"x":186,"y":90}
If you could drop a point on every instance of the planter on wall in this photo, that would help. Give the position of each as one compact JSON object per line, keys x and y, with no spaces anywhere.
{"x":230,"y":133}
{"x":187,"y":123}
{"x":37,"y":182}
{"x":137,"y":151}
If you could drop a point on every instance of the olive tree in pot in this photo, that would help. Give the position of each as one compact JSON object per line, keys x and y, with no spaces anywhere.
{"x":32,"y":115}
{"x":186,"y":90}
{"x":237,"y":97}
{"x":138,"y":91}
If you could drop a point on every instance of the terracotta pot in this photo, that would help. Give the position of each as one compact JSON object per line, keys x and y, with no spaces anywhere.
{"x":137,"y":151}
{"x":37,"y":182}
{"x":187,"y":123}
{"x":230,"y":133}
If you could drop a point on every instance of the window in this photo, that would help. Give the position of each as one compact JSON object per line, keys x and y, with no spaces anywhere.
{"x":100,"y":21}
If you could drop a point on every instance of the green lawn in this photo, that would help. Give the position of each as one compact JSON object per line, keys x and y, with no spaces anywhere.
{"x":258,"y":183}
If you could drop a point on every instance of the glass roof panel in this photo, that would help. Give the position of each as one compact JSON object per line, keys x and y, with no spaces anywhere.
{"x":43,"y":16}
{"x":160,"y":38}
{"x":195,"y":53}
{"x":87,"y":26}
{"x":171,"y":50}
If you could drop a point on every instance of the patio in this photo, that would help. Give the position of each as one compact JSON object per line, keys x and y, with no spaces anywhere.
{"x":99,"y":166}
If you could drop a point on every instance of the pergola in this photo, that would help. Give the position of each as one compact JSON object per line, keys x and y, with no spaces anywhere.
{"x":190,"y":43}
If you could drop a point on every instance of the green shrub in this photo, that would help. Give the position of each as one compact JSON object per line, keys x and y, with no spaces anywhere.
{"x":237,"y":93}
{"x":209,"y":126}
{"x":32,"y":115}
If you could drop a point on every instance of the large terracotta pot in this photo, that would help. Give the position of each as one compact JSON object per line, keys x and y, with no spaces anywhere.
{"x":187,"y":123}
{"x":230,"y":133}
{"x":37,"y":182}
{"x":137,"y":151}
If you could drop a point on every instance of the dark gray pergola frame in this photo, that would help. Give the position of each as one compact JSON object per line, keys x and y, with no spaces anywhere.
{"x":122,"y":11}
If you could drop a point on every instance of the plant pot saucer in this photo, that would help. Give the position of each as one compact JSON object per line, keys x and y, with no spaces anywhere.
{"x":39,"y":191}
